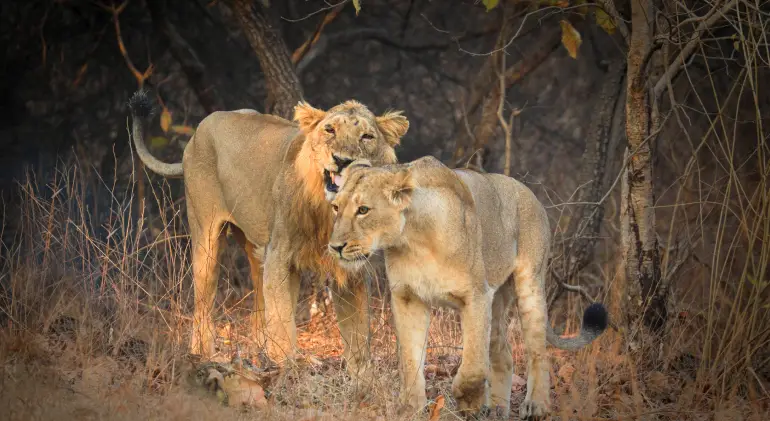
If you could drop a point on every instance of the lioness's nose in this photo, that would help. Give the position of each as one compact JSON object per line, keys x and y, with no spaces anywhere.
{"x":338,"y":247}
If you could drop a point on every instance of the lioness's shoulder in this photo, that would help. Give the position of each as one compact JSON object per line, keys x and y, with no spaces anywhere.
{"x":427,"y":162}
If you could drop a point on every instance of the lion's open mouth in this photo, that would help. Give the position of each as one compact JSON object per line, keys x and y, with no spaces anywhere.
{"x":332,"y":179}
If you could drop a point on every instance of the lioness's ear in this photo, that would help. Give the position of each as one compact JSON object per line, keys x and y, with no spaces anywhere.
{"x":400,"y":189}
{"x":308,"y":117}
{"x":393,"y":125}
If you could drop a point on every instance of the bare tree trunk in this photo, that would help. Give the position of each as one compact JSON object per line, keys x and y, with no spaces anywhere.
{"x":283,"y":87}
{"x":640,"y":245}
{"x":187,"y":58}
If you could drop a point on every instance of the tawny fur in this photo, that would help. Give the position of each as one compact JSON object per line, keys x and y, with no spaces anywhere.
{"x":475,"y":242}
{"x":264,"y":176}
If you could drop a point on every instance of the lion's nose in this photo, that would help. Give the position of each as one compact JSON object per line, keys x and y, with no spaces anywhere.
{"x":338,"y":247}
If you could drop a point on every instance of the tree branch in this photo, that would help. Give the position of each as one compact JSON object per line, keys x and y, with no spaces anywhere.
{"x":183,"y":52}
{"x":675,"y":66}
{"x":283,"y":87}
{"x":300,"y":52}
{"x":116,"y":11}
{"x":483,"y":90}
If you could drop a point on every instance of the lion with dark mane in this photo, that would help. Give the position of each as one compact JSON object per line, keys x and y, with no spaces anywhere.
{"x":270,"y":179}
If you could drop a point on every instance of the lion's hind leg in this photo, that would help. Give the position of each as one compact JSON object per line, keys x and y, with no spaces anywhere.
{"x":531,"y":303}
{"x":255,"y":255}
{"x":206,"y":242}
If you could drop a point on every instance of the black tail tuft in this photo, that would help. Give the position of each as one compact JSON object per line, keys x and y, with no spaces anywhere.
{"x":595,"y":318}
{"x":141,"y":105}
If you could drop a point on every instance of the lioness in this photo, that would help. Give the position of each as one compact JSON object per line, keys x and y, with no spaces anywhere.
{"x":469,"y":241}
{"x":270,"y":179}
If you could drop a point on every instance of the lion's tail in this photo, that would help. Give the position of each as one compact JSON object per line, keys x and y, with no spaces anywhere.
{"x":595,"y":321}
{"x":142,"y":111}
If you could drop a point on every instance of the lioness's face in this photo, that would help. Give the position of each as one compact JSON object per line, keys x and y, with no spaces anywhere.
{"x":369,"y":213}
{"x":347,"y":132}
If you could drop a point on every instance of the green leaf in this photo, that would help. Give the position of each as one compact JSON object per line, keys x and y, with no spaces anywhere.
{"x":357,"y":5}
{"x":490,"y":4}
{"x":158,"y":142}
{"x":604,"y":20}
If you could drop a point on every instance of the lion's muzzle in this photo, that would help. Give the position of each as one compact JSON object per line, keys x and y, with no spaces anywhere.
{"x":333,"y":179}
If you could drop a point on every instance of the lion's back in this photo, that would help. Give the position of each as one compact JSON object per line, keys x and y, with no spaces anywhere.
{"x":239,"y":154}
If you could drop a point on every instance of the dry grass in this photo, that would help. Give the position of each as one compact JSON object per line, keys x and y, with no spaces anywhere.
{"x":95,"y":326}
{"x":95,"y":305}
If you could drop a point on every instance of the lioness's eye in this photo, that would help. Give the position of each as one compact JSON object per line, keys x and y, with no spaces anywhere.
{"x":335,"y":208}
{"x":367,"y":136}
{"x":329,"y":129}
{"x":362,"y":210}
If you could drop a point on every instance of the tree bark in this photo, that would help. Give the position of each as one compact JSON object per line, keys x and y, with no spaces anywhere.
{"x":187,"y":58}
{"x":585,"y":226}
{"x":283,"y":88}
{"x":639,"y":240}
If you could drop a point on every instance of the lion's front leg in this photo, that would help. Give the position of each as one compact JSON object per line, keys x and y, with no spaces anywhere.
{"x":281,"y":289}
{"x":412,"y":319}
{"x":352,"y":307}
{"x":470,"y":387}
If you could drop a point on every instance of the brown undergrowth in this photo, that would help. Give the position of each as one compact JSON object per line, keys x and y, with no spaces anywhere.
{"x":94,"y":324}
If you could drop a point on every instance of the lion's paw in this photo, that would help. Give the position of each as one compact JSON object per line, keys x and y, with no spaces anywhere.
{"x":472,"y":395}
{"x":533,"y":410}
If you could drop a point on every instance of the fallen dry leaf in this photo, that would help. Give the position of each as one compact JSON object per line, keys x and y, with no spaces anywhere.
{"x":518,"y":383}
{"x":565,"y":372}
{"x":435,"y":410}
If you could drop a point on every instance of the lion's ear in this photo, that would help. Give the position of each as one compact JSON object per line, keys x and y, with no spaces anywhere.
{"x":393,"y":125}
{"x":399,"y":190}
{"x":307,"y":116}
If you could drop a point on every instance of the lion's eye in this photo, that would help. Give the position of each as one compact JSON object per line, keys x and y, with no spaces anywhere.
{"x":366,"y":136}
{"x":335,"y":208}
{"x":329,"y":129}
{"x":362,"y":210}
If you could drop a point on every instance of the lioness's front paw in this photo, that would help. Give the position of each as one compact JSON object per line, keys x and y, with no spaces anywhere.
{"x":361,"y":375}
{"x":533,"y":410}
{"x":472,"y":394}
{"x":412,"y":403}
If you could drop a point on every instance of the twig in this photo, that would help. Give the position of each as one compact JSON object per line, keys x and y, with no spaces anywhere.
{"x":578,"y":289}
{"x":688,"y":49}
{"x":300,"y":52}
{"x":323,"y":9}
{"x":504,"y":124}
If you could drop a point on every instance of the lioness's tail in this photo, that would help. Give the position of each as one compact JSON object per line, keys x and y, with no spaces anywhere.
{"x":141,"y":112}
{"x":594,"y":323}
